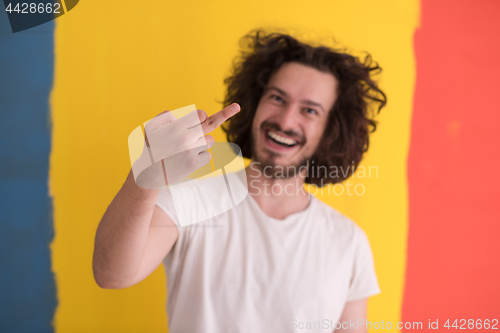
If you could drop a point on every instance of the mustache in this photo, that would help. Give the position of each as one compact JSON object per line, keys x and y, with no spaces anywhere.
{"x":277,"y":128}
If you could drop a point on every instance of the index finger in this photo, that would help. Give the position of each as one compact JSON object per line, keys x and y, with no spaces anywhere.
{"x":215,"y":120}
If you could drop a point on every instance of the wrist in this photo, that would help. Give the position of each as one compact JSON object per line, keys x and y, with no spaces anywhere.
{"x":131,"y":184}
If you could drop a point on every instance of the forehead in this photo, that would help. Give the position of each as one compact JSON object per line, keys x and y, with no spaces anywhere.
{"x":304,"y":82}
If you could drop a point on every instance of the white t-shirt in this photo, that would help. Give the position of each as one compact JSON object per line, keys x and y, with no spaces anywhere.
{"x":243,"y":271}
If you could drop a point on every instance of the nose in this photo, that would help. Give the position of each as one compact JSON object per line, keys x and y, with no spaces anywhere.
{"x":289,"y":118}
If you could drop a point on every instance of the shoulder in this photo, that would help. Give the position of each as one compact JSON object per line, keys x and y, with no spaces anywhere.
{"x":343,"y":225}
{"x":340,"y":230}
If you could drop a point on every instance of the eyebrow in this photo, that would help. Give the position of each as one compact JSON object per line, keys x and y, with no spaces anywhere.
{"x":306,"y":101}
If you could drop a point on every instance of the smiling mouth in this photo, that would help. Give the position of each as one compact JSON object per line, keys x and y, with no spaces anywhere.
{"x":281,"y":140}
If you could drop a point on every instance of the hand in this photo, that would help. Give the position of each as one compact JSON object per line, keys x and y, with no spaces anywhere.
{"x":175,"y":148}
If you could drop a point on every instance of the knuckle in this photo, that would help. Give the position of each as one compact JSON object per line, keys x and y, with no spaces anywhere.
{"x":210,"y":121}
{"x":149,"y":126}
{"x":184,"y":137}
{"x":202,"y":115}
{"x":176,"y":125}
{"x":193,"y":162}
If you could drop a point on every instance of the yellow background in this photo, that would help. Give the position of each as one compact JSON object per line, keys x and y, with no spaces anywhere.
{"x":119,"y":63}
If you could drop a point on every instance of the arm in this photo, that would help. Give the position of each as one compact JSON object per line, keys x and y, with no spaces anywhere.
{"x":134,"y":235}
{"x":128,"y":246}
{"x":362,"y":285}
{"x":352,"y":312}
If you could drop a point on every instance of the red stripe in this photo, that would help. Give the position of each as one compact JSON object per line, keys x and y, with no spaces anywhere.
{"x":453,"y":267}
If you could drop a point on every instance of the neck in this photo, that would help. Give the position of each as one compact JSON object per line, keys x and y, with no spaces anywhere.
{"x":277,"y":197}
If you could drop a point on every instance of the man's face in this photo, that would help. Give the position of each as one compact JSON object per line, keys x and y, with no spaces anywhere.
{"x":291,"y":115}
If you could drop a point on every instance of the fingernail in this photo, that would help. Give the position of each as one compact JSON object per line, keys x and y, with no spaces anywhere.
{"x":235,"y":107}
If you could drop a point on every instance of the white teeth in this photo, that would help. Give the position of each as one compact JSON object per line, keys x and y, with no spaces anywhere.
{"x":280,"y":139}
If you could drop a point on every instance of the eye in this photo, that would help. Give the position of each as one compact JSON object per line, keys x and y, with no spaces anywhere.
{"x":310,"y":111}
{"x":277,"y":98}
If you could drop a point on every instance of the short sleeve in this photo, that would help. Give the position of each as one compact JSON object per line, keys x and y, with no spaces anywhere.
{"x":165,"y":202}
{"x":364,"y":281}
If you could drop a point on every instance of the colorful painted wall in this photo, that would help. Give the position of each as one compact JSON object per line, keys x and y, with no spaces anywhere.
{"x":28,"y":292}
{"x":72,"y":90}
{"x":453,"y":248}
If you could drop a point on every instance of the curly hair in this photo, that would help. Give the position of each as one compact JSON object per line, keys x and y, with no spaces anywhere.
{"x":346,"y":136}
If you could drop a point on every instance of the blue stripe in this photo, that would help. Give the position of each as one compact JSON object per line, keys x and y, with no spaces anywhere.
{"x":27,"y":287}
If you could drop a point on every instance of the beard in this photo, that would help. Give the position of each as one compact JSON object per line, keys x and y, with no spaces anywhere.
{"x":267,"y":164}
{"x":276,"y":171}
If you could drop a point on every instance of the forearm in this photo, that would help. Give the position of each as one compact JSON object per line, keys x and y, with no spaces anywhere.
{"x":122,"y":234}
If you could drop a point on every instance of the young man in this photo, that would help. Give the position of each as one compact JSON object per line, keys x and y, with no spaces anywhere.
{"x":280,"y":260}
